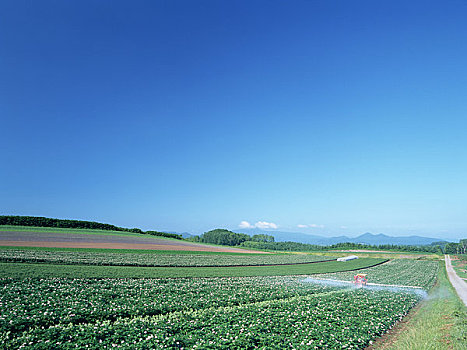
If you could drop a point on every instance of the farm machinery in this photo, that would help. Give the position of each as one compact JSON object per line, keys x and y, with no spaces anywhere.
{"x":360,"y":279}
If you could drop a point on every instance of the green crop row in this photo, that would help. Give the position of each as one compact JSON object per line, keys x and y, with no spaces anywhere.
{"x":336,"y":320}
{"x":137,"y":259}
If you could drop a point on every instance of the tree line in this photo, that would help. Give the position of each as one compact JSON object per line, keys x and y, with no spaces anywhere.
{"x":456,"y":248}
{"x":266,"y":242}
{"x":39,"y":221}
{"x":226,"y":237}
{"x":398,"y":247}
{"x":283,"y":246}
{"x":444,"y":248}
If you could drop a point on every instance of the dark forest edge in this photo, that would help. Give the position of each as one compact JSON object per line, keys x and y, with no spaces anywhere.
{"x":229,"y":238}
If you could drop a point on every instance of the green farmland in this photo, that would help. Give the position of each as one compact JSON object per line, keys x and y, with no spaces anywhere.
{"x":145,"y":299}
{"x":21,"y":270}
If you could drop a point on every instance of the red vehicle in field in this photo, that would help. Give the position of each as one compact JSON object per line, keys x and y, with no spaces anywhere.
{"x":360,"y":279}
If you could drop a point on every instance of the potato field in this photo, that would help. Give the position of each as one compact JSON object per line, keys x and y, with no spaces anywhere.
{"x":206,"y":313}
{"x":417,"y":273}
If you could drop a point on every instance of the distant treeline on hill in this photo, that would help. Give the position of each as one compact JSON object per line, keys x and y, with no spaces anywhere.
{"x":226,"y":237}
{"x":266,"y":242}
{"x":441,"y":247}
{"x":303,"y":247}
{"x":39,"y":221}
{"x":283,"y":246}
{"x":261,"y":241}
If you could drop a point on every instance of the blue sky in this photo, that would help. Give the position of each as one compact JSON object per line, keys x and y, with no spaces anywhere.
{"x":326,"y":117}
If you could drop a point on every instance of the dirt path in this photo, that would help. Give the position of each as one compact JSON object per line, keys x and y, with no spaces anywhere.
{"x":458,"y":283}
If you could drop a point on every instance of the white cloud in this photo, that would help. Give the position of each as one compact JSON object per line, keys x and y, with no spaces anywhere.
{"x":344,"y":227}
{"x":245,"y":224}
{"x":302,"y":226}
{"x":264,"y":224}
{"x":259,"y":224}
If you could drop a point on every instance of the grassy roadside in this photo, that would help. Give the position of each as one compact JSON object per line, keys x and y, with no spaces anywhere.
{"x":23,"y":270}
{"x":459,"y":263}
{"x":439,"y":323}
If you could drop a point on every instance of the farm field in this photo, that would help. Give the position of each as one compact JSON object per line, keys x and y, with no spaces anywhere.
{"x":107,"y":298}
{"x":386,"y":255}
{"x":229,"y":312}
{"x":78,"y":300}
{"x":69,"y":238}
{"x":81,"y":231}
{"x":24,"y":270}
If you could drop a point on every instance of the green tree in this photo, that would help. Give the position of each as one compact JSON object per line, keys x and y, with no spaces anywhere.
{"x":224,"y":237}
{"x":262,"y":238}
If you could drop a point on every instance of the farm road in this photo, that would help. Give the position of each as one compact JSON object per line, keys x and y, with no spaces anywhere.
{"x":77,"y":240}
{"x":458,"y":283}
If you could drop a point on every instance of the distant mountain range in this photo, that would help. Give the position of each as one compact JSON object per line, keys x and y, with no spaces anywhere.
{"x":366,"y":238}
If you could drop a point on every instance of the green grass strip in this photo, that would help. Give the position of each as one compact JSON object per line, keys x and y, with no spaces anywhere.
{"x":460,"y":267}
{"x":20,"y":270}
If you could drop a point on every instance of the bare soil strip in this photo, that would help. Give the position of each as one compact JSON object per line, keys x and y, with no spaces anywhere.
{"x":458,"y":283}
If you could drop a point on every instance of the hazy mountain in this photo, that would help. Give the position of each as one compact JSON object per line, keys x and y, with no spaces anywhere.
{"x":366,"y":238}
{"x":369,"y":238}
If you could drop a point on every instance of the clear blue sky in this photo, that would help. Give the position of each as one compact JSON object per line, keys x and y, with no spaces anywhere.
{"x":341,"y":116}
